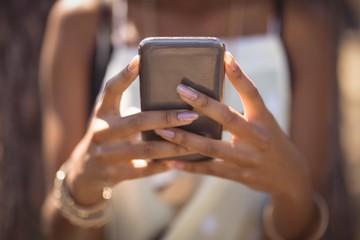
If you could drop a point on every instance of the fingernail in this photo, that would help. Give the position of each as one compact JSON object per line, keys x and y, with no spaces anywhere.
{"x":133,"y":63}
{"x":229,"y":59}
{"x":165,"y":133}
{"x":187,"y":92}
{"x":187,"y":116}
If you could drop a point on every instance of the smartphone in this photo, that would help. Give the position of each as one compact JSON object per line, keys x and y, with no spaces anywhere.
{"x":197,"y":62}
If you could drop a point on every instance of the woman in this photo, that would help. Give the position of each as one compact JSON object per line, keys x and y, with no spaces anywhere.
{"x":259,"y":158}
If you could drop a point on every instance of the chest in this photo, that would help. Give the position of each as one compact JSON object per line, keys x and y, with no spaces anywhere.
{"x":224,"y":19}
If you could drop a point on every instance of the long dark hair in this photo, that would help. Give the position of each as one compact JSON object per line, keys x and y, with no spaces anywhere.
{"x":22,"y":24}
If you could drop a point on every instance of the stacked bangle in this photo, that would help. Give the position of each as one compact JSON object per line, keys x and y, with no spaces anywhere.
{"x":84,"y":217}
{"x":322,"y":207}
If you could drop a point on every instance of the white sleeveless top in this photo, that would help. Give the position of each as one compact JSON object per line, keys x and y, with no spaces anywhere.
{"x":219,"y":209}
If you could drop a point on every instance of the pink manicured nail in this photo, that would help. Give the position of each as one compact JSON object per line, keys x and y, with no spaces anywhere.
{"x":133,"y":63}
{"x":187,"y":116}
{"x":229,"y":59}
{"x":187,"y":92}
{"x":165,"y":133}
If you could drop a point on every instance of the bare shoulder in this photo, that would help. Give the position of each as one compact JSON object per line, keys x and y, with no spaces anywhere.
{"x":72,"y":13}
{"x":71,"y":8}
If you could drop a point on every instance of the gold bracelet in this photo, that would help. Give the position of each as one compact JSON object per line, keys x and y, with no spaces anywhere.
{"x":323,"y":209}
{"x":84,"y":217}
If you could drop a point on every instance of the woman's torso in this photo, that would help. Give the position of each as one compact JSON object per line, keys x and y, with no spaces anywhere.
{"x":139,"y":19}
{"x":219,"y":209}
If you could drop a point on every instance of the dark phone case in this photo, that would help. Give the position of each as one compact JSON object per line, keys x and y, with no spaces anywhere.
{"x":197,"y":62}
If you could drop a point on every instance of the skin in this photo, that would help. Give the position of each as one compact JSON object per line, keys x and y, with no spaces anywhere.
{"x":260,"y":155}
{"x":252,"y":157}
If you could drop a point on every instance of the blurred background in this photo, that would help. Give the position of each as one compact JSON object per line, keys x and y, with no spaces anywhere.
{"x":22,"y":24}
{"x":349,"y":80}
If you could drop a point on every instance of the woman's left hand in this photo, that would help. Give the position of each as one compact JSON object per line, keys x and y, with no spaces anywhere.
{"x":260,"y":155}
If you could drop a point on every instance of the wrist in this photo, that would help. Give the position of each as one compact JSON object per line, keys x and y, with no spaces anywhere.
{"x":292,"y":217}
{"x":83,"y":192}
{"x":305,"y":221}
{"x":79,"y":215}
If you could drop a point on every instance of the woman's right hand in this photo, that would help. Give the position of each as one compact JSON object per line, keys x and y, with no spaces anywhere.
{"x":109,"y":151}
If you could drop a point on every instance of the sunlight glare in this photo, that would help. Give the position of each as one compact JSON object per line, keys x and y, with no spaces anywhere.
{"x":139,"y":163}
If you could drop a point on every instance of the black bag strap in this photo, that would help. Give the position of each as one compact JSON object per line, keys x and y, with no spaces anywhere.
{"x":102,"y":52}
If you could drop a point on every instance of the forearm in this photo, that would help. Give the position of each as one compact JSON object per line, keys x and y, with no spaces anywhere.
{"x":65,"y":216}
{"x":310,"y":38}
{"x":56,"y":227}
{"x":310,"y":42}
{"x":294,"y":213}
{"x":294,"y":218}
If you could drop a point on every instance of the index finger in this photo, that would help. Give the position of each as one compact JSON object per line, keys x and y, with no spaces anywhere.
{"x":228,"y":117}
{"x":115,"y":87}
{"x":249,"y":94}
